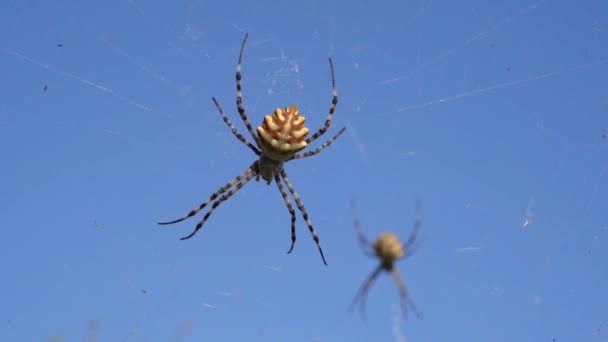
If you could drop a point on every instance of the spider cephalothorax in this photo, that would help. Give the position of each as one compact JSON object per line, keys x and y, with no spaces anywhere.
{"x":388,"y":249}
{"x":280,"y":137}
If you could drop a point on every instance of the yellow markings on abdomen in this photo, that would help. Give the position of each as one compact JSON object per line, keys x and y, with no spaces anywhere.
{"x":283,"y":133}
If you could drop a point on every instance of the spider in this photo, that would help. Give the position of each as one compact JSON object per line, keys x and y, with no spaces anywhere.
{"x":388,"y":249}
{"x":279,"y":139}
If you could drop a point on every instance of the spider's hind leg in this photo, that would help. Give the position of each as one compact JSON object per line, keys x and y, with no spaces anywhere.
{"x":332,"y":108}
{"x":234,"y":130}
{"x":366,"y":246}
{"x":239,"y":93}
{"x":413,"y":242}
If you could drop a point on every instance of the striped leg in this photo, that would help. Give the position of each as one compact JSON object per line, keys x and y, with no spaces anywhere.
{"x":334,"y":102}
{"x":320,"y":148}
{"x":249,"y":176}
{"x":300,"y":205}
{"x":292,"y":212}
{"x":362,"y":294}
{"x":405,"y":297}
{"x":247,"y":173}
{"x":233,"y":129}
{"x":239,"y":94}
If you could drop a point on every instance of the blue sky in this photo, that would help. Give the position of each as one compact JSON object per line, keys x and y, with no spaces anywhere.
{"x":493,"y":115}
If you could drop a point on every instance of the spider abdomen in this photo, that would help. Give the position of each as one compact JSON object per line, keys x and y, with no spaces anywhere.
{"x":388,"y":247}
{"x":283,"y":133}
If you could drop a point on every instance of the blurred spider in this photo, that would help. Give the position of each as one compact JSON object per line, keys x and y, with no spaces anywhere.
{"x":388,"y":249}
{"x":280,"y":137}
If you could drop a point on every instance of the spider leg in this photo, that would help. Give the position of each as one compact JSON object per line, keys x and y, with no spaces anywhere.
{"x":413,"y":248}
{"x":292,"y":212}
{"x":334,"y":102}
{"x":239,"y":94}
{"x":411,"y":240}
{"x":405,"y":297}
{"x":320,"y":148}
{"x":366,"y":246}
{"x":233,"y":129}
{"x":247,"y":173}
{"x":362,"y":293}
{"x":249,"y":176}
{"x":300,"y":205}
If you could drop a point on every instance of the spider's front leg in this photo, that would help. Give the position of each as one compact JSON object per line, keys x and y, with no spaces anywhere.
{"x":221,"y":195}
{"x":302,"y":209}
{"x":406,"y":300}
{"x":292,"y":212}
{"x":361,"y":296}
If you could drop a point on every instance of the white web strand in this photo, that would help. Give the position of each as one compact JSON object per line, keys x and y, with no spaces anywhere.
{"x":503,"y":85}
{"x":74,"y":77}
{"x":450,"y":51}
{"x":464,"y":43}
{"x":398,"y":323}
{"x":138,"y":64}
{"x":529,"y":216}
{"x":468,"y":249}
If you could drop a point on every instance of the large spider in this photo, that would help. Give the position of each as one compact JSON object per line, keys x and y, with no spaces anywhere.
{"x":280,"y":137}
{"x":388,"y":249}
